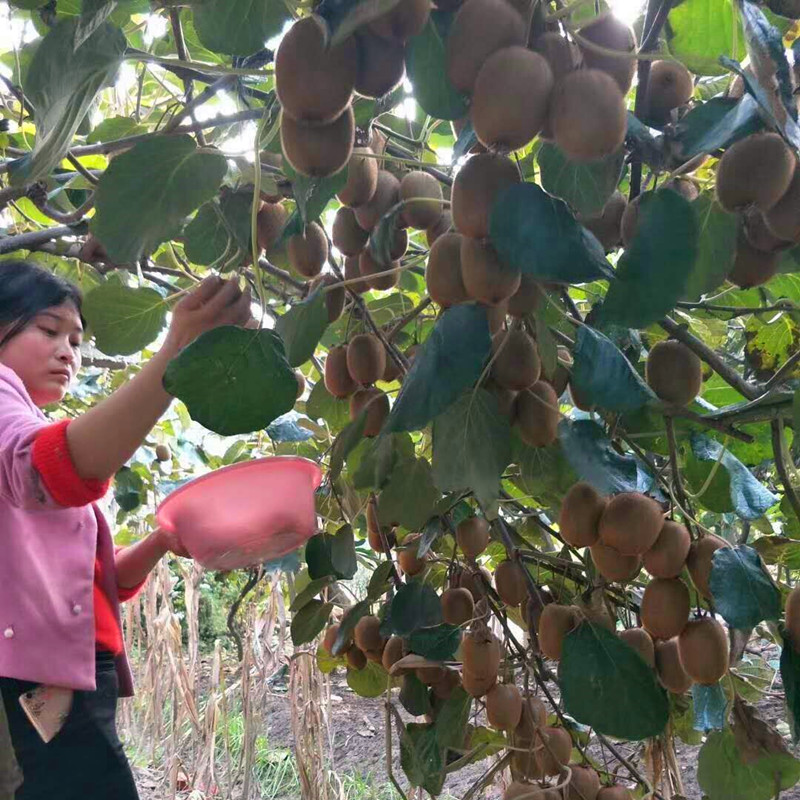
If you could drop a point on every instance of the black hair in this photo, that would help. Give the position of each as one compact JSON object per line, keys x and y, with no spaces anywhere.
{"x":26,"y":290}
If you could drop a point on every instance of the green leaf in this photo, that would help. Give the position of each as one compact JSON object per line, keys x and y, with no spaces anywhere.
{"x":343,"y":553}
{"x":323,"y":405}
{"x":653,"y":273}
{"x":452,"y":718}
{"x":129,"y":489}
{"x":350,"y":436}
{"x":545,"y":474}
{"x":472,"y":447}
{"x":368,"y":682}
{"x":146,"y":192}
{"x":348,"y":625}
{"x":716,"y":246}
{"x":309,"y":621}
{"x":238,"y":27}
{"x":302,"y":326}
{"x":724,"y":774}
{"x":450,"y":360}
{"x":233,"y":380}
{"x":381,"y":240}
{"x":682,"y":718}
{"x":743,"y":591}
{"x":586,"y":185}
{"x":539,"y":235}
{"x":608,"y":686}
{"x":310,"y":592}
{"x":426,"y":67}
{"x":93,"y":14}
{"x":416,"y":605}
{"x":437,"y":644}
{"x":380,"y":581}
{"x":716,"y":125}
{"x":123,"y":319}
{"x":796,"y":411}
{"x":318,"y":557}
{"x":113,"y":128}
{"x":326,"y":663}
{"x":710,"y":704}
{"x":312,"y":195}
{"x":790,"y":676}
{"x":410,"y":496}
{"x":343,"y":18}
{"x":422,"y":757}
{"x":414,"y":695}
{"x":61,"y":83}
{"x":217,"y":228}
{"x":377,"y":460}
{"x":769,"y":342}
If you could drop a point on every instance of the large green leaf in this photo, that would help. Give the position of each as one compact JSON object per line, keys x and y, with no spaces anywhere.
{"x":348,"y":625}
{"x":544,"y":472}
{"x":790,"y":675}
{"x":219,"y":227}
{"x":238,"y":27}
{"x":308,"y":622}
{"x":410,"y":495}
{"x":716,"y":124}
{"x":233,"y":380}
{"x":416,"y":605}
{"x":422,"y":757}
{"x":147,"y":192}
{"x":607,"y":685}
{"x":124,"y":320}
{"x":323,"y":405}
{"x":302,"y":326}
{"x":452,"y":718}
{"x":113,"y":128}
{"x":313,"y":194}
{"x":368,"y":682}
{"x":716,"y":246}
{"x":349,"y":437}
{"x":414,"y":696}
{"x":61,"y":83}
{"x":437,"y":644}
{"x":472,"y":447}
{"x":770,"y":341}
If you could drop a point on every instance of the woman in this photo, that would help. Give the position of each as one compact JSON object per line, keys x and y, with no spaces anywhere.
{"x":60,"y":579}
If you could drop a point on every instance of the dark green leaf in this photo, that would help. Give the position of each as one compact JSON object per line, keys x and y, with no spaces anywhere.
{"x":129,"y":489}
{"x":790,"y":676}
{"x":467,"y":139}
{"x":449,"y":361}
{"x":310,"y":592}
{"x":422,"y":757}
{"x":547,"y":346}
{"x":743,"y":591}
{"x":545,"y":473}
{"x":416,"y":605}
{"x":343,"y":17}
{"x":313,"y":194}
{"x":609,"y":687}
{"x":538,"y":234}
{"x":380,"y":581}
{"x":368,"y":682}
{"x":164,"y":179}
{"x":437,"y":644}
{"x":318,"y":557}
{"x":343,"y":553}
{"x":233,"y":380}
{"x":302,"y":326}
{"x":350,"y":436}
{"x":716,"y":246}
{"x":309,"y":621}
{"x":414,"y":695}
{"x":410,"y":496}
{"x":452,"y":718}
{"x":381,"y":240}
{"x":710,"y":706}
{"x":348,"y":625}
{"x":432,"y":531}
{"x":218,"y":228}
{"x":377,"y":461}
{"x":323,"y":405}
{"x":715,"y":125}
{"x":238,"y":27}
{"x":113,"y":128}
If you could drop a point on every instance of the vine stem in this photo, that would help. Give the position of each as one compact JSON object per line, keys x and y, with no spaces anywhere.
{"x":778,"y":449}
{"x":676,"y":472}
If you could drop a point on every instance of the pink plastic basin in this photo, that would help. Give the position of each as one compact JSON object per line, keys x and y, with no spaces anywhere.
{"x":245,"y":514}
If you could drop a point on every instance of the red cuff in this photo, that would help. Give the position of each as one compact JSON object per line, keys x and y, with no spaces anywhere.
{"x":128,"y":594}
{"x":52,"y":460}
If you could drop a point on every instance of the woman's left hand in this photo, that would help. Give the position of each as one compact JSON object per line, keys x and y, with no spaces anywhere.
{"x":171,"y":543}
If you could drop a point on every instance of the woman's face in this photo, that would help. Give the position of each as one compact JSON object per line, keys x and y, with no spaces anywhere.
{"x":46,"y":354}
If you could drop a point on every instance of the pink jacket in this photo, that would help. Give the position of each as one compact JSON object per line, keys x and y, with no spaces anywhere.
{"x":47,"y":556}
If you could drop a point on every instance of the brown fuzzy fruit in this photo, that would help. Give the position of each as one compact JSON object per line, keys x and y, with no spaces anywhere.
{"x":584,"y":784}
{"x":377,"y":405}
{"x":783,"y":219}
{"x":612,"y":34}
{"x":669,"y":668}
{"x":406,"y":19}
{"x":356,"y":658}
{"x":366,"y":358}
{"x":504,"y":706}
{"x":407,"y":557}
{"x":348,"y":236}
{"x":314,"y":82}
{"x":308,"y":250}
{"x":674,"y":372}
{"x":496,"y":317}
{"x":560,"y":378}
{"x":511,"y":98}
{"x":509,"y":580}
{"x":665,"y":607}
{"x":398,"y":245}
{"x":579,"y":519}
{"x":486,"y":278}
{"x":630,"y":217}
{"x":481,"y":654}
{"x":381,"y":64}
{"x":755,"y":229}
{"x":458,"y":606}
{"x":588,"y":116}
{"x":338,"y":380}
{"x":665,"y":559}
{"x":444,"y":688}
{"x":532,"y":609}
{"x":371,"y":270}
{"x":334,"y":298}
{"x":751,"y":267}
{"x":685,"y":187}
{"x":607,"y":225}
{"x":477,"y":686}
{"x":699,"y":560}
{"x":480,"y":28}
{"x":424,"y":213}
{"x":476,"y":186}
{"x":318,"y":151}
{"x":526,"y":791}
{"x":269,"y":224}
{"x":163,"y":453}
{"x":556,"y":752}
{"x":792,"y":617}
{"x":614,"y":566}
{"x":615,"y":792}
{"x":429,"y":675}
{"x":375,"y":529}
{"x":472,"y":535}
{"x":536,"y":415}
{"x":387,"y":192}
{"x":762,"y":154}
{"x":352,"y":271}
{"x":516,"y":364}
{"x":330,"y":637}
{"x":562,"y":55}
{"x":630,"y":523}
{"x":555,"y":623}
{"x":703,"y":647}
{"x":526,"y":299}
{"x":439,"y":228}
{"x":367,"y":633}
{"x":670,"y":85}
{"x":639,"y":639}
{"x":362,"y":178}
{"x":393,"y":652}
{"x":443,"y":273}
{"x":533,"y":716}
{"x":475,"y":582}
{"x":301,"y":383}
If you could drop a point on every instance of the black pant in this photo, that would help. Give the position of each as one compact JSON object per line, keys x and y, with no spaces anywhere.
{"x":85,"y":760}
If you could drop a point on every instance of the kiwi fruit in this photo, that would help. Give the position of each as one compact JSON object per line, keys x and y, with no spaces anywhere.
{"x":331,"y":632}
{"x":630,"y":218}
{"x":374,"y":526}
{"x":308,"y":250}
{"x":753,"y":225}
{"x":477,"y":686}
{"x":580,"y":514}
{"x":475,"y":582}
{"x":429,"y":675}
{"x":562,"y":55}
{"x":666,"y":558}
{"x":516,"y":363}
{"x":348,"y":236}
{"x":612,"y":565}
{"x":533,"y":716}
{"x":496,"y":317}
{"x":376,"y":656}
{"x":377,"y":405}
{"x":560,"y":378}
{"x":505,"y":398}
{"x":481,"y":654}
{"x":584,"y":784}
{"x":588,"y":116}
{"x":393,"y":652}
{"x":792,"y":617}
{"x":386,"y":195}
{"x":526,"y":299}
{"x":685,"y":187}
{"x":517,"y":790}
{"x":511,"y":98}
{"x":509,"y":580}
{"x":762,"y":154}
{"x":444,"y":688}
{"x":362,"y":178}
{"x":371,"y":271}
{"x":366,"y":358}
{"x":319,"y":151}
{"x":407,"y":557}
{"x":424,"y":213}
{"x":439,"y":228}
{"x":703,"y":647}
{"x":406,"y":19}
{"x":669,"y":86}
{"x":480,"y":28}
{"x":458,"y":606}
{"x":555,"y":623}
{"x":443,"y":272}
{"x":486,"y":278}
{"x":476,"y":186}
{"x":671,"y":674}
{"x":665,"y":607}
{"x":751,"y":267}
{"x":398,"y":245}
{"x":700,"y":559}
{"x":536,"y":415}
{"x":92,"y":250}
{"x":334,"y":298}
{"x":556,"y":752}
{"x":785,"y":8}
{"x":352,"y":271}
{"x":163,"y":453}
{"x":783,"y":219}
{"x":674,"y":372}
{"x":610,"y":33}
{"x":356,"y":658}
{"x":606,"y":226}
{"x":381,"y":64}
{"x":504,"y":706}
{"x":392,"y":371}
{"x":301,"y":383}
{"x":630,"y":523}
{"x":639,"y":639}
{"x":314,"y":82}
{"x":269,"y":225}
{"x":615,"y":792}
{"x":533,"y":607}
{"x":338,"y":380}
{"x":472,"y":535}
{"x":367,"y":633}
